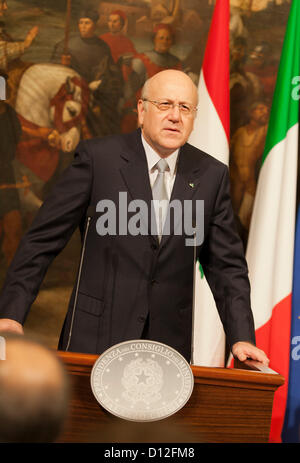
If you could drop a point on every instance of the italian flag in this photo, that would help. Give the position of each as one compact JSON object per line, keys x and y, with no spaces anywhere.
{"x":271,"y":237}
{"x":211,"y":134}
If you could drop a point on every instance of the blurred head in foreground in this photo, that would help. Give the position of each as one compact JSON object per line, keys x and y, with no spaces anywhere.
{"x":34,"y":391}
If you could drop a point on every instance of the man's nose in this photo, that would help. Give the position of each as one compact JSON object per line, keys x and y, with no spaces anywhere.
{"x":174,"y":113}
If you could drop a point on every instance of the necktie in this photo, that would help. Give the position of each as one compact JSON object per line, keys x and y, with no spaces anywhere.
{"x":160,"y":195}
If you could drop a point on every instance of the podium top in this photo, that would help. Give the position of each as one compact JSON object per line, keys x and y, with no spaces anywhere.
{"x":248,"y":372}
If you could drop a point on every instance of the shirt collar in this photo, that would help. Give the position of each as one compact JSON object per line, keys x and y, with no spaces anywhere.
{"x":153,"y":157}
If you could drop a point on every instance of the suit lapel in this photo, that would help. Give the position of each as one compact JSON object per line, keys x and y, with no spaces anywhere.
{"x":134,"y":172}
{"x":187,"y":180}
{"x":136,"y":177}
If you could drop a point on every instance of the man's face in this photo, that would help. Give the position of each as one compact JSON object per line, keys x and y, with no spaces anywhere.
{"x":114,"y":23}
{"x":86,"y":27}
{"x":3,"y":7}
{"x":167,"y":130}
{"x":238,"y":52}
{"x":260,"y":114}
{"x":163,"y":41}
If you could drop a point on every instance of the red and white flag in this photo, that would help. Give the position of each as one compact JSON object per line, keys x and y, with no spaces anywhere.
{"x":211,"y":134}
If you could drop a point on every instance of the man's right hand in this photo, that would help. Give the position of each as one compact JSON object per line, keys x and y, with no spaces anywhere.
{"x":8,"y":325}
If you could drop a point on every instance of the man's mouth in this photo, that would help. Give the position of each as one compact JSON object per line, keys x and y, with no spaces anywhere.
{"x":172,"y":129}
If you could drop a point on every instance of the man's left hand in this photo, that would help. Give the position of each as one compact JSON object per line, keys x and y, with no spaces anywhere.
{"x":245,"y":350}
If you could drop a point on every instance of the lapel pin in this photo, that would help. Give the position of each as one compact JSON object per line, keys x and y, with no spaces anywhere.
{"x":191,"y":185}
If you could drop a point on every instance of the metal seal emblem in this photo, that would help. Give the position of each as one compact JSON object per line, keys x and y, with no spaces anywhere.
{"x":142,"y":380}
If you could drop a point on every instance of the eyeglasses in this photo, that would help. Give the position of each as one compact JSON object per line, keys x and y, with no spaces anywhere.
{"x":184,"y":108}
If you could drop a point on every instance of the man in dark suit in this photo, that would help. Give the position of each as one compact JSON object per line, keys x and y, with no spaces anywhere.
{"x":139,"y":286}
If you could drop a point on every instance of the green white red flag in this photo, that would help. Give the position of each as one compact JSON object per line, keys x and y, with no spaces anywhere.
{"x":271,"y":237}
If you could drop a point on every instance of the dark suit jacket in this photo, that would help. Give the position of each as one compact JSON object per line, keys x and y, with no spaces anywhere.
{"x":127,"y":278}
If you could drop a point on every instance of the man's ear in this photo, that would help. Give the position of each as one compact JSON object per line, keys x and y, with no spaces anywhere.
{"x":141,"y":110}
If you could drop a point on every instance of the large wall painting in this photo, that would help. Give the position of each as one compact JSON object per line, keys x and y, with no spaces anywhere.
{"x":75,"y":70}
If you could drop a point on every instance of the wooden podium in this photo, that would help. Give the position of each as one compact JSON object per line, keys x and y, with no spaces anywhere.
{"x":227,"y":405}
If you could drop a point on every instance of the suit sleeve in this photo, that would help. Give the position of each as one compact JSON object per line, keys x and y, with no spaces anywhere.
{"x":52,"y":228}
{"x":226,"y":271}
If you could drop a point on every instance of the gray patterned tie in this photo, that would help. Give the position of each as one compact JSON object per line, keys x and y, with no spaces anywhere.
{"x":159,"y":193}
